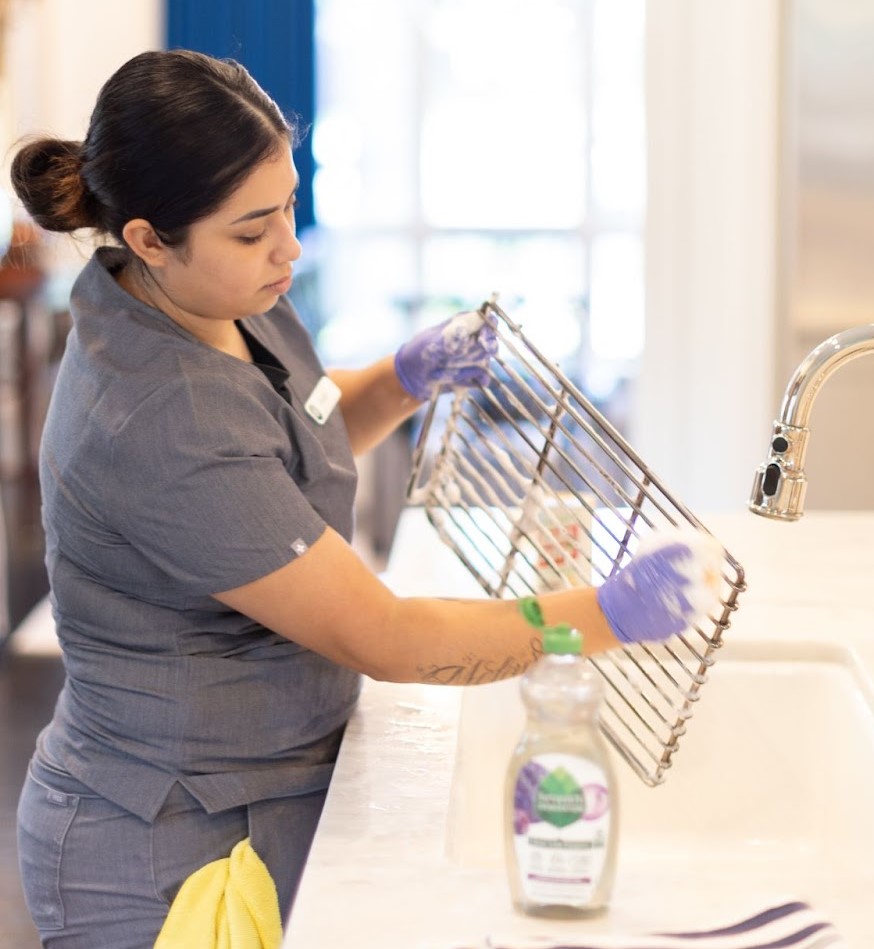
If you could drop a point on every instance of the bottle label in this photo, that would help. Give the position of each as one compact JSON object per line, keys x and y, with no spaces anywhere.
{"x":561,"y":826}
{"x":561,"y":535}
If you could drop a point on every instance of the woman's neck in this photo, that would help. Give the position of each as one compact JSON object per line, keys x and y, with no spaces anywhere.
{"x":223,"y":335}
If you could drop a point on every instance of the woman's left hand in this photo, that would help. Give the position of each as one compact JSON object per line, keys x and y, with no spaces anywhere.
{"x":454,"y":353}
{"x":670,"y":584}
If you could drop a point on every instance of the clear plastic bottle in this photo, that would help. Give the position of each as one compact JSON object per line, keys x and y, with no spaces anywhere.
{"x":561,"y":807}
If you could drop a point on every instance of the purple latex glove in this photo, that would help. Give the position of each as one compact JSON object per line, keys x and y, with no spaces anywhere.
{"x":668,"y":586}
{"x":453,"y":353}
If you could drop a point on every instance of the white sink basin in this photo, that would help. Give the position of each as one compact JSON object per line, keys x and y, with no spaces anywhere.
{"x":771,"y":793}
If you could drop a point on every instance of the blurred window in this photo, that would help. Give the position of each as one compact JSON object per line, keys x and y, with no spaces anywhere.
{"x":470,"y":146}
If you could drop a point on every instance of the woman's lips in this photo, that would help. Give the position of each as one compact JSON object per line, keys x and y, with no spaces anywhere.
{"x":281,"y":286}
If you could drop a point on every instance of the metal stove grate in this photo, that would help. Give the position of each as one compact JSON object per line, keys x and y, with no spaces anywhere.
{"x":534,"y":489}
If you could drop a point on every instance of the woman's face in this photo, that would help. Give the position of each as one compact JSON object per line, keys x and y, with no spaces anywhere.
{"x":238,"y":261}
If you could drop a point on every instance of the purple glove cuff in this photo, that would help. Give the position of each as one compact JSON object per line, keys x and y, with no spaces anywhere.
{"x":410,"y":384}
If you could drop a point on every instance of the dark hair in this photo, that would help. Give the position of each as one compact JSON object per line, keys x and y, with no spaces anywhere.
{"x":173,"y":133}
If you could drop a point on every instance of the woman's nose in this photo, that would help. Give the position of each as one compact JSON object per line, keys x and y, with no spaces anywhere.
{"x":288,"y":247}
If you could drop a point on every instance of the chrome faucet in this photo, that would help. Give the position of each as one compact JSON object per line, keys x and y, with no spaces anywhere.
{"x":779,"y":485}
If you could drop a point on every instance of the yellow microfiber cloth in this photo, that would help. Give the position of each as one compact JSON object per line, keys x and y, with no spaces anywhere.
{"x":228,"y":904}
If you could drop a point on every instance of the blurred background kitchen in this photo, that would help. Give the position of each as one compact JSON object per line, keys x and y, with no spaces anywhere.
{"x":675,"y":198}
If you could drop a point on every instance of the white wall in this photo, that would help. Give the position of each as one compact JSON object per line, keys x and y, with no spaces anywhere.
{"x":828,"y":233}
{"x":60,"y":52}
{"x":707,"y":392}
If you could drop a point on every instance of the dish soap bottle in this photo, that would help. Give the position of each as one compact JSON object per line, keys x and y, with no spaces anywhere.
{"x":560,"y":804}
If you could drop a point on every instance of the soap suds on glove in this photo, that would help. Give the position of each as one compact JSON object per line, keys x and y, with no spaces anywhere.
{"x":702,"y":569}
{"x":462,"y":325}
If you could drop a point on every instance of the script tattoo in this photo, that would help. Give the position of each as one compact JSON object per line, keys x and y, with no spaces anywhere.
{"x":476,"y":671}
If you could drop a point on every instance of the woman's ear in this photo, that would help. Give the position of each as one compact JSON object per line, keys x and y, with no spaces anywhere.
{"x":142,"y":239}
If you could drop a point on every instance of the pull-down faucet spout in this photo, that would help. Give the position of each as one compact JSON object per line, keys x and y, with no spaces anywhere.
{"x":780,"y":484}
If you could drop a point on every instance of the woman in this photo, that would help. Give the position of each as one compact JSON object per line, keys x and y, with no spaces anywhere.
{"x":198,"y":483}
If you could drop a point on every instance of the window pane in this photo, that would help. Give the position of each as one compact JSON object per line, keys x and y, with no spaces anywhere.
{"x":472,"y":146}
{"x":540,"y":281}
{"x":479,"y":169}
{"x":504,"y":124}
{"x":618,"y":125}
{"x":364,"y":142}
{"x":366,"y":286}
{"x":617,"y":297}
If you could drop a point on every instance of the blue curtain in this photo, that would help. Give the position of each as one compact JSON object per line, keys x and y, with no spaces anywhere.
{"x":274,"y":40}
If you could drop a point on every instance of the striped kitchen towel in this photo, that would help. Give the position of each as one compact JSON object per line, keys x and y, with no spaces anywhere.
{"x":793,"y":925}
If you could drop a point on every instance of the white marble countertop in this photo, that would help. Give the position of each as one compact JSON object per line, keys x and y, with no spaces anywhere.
{"x":379,"y":874}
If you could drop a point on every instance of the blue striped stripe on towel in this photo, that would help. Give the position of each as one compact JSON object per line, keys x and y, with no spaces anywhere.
{"x":793,"y":925}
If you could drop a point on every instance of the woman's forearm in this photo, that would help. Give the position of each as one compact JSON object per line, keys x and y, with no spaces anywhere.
{"x":330,"y":602}
{"x":471,"y":642}
{"x":373,"y":403}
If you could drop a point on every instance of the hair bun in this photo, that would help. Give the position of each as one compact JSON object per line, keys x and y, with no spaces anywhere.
{"x":46,"y":175}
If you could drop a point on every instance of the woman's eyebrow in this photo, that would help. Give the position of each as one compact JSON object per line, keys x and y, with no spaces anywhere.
{"x":251,"y":215}
{"x":261,"y":212}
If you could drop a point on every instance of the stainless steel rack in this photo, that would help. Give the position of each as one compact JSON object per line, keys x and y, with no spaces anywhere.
{"x":534,"y":489}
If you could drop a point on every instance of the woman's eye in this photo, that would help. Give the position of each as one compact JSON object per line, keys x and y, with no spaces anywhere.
{"x":253,"y":239}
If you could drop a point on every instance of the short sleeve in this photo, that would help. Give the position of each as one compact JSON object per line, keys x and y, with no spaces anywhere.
{"x":203,"y":485}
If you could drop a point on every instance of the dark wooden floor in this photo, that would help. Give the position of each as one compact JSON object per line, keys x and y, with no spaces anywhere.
{"x":28,"y":688}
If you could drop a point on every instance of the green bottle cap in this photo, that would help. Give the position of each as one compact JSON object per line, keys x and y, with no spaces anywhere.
{"x":562,"y":639}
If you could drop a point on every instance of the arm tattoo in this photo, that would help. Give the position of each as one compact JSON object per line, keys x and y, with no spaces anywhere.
{"x":475,"y":671}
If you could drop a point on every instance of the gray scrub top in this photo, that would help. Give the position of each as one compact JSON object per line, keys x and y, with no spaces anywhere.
{"x":170,"y":471}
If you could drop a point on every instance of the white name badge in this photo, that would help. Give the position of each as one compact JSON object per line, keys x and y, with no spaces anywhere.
{"x":322,"y":400}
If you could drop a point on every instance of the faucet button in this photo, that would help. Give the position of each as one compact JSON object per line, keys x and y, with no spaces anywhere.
{"x":771,"y":481}
{"x":779,"y":444}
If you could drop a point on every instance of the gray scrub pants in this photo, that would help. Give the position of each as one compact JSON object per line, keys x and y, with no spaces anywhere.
{"x":97,"y":877}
